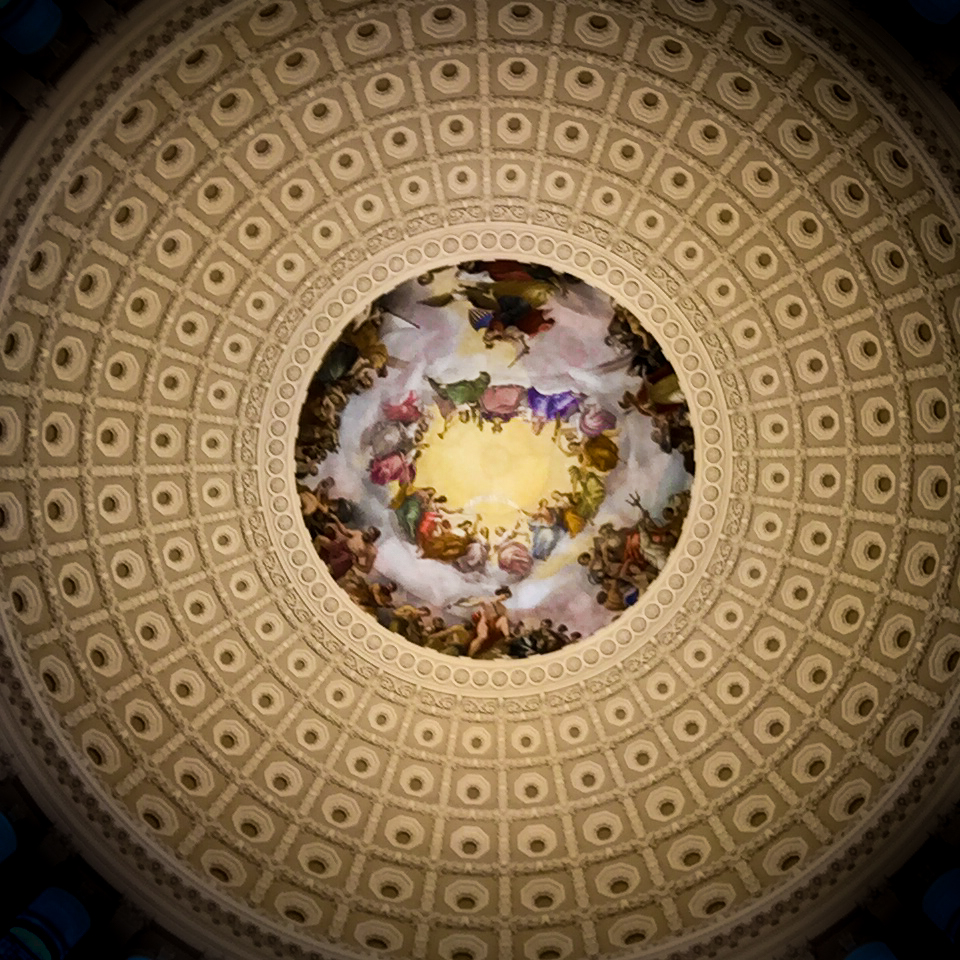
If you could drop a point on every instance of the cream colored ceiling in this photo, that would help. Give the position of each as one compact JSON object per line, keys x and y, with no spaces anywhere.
{"x":203,"y":690}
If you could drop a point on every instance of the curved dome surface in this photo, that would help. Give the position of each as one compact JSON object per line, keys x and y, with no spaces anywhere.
{"x":189,"y":687}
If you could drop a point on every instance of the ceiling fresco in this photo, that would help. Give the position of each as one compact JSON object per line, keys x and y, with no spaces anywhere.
{"x":495,"y":460}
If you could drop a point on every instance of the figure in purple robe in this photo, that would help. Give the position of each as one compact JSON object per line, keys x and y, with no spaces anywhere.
{"x":557,"y":407}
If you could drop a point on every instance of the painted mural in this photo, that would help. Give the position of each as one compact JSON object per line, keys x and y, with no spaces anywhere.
{"x":495,"y":460}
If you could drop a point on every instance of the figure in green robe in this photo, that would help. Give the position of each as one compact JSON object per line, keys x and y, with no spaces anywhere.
{"x":586,"y":496}
{"x":461,"y":393}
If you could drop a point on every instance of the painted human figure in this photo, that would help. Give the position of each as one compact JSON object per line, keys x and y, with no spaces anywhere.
{"x":318,"y":505}
{"x":441,"y":542}
{"x":407,"y":411}
{"x":599,"y":453}
{"x":595,"y":420}
{"x":474,"y":559}
{"x":357,"y":357}
{"x":368,"y":595}
{"x":521,"y":292}
{"x":514,"y":558}
{"x":546,"y":529}
{"x":393,"y":468}
{"x":512,"y":336}
{"x":489,"y":618}
{"x":627,"y":332}
{"x":618,"y":563}
{"x":391,"y":436}
{"x":453,"y":639}
{"x":636,"y":566}
{"x":460,"y":395}
{"x":350,"y":367}
{"x":502,"y":402}
{"x":551,"y":407}
{"x":541,"y":637}
{"x":411,"y":504}
{"x":659,"y":393}
{"x":657,"y":539}
{"x":347,"y":549}
{"x":674,"y":433}
{"x":583,"y":501}
{"x":408,"y":621}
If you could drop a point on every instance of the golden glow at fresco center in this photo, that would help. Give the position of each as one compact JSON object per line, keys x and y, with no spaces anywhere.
{"x":499,"y":476}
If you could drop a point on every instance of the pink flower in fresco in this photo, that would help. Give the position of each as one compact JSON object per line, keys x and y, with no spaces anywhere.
{"x":502,"y":401}
{"x":408,"y":411}
{"x":514,"y":558}
{"x":595,"y":420}
{"x":385,"y":469}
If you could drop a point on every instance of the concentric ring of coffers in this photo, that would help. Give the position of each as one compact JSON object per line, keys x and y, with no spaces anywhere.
{"x":776,"y":198}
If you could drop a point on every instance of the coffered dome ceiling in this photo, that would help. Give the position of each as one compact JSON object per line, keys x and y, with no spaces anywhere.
{"x":225,"y":730}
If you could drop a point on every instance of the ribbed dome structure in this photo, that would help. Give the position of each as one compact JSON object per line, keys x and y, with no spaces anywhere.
{"x":256,"y":760}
